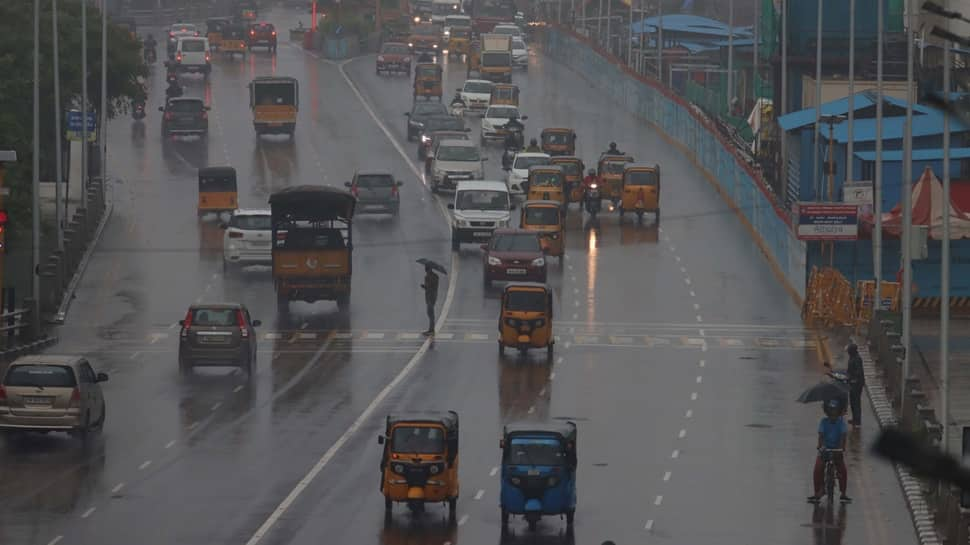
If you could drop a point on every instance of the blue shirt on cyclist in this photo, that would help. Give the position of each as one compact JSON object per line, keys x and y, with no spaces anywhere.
{"x":832,"y":430}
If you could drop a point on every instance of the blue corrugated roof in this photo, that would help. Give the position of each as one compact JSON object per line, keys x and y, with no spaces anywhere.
{"x":690,"y":24}
{"x":918,"y":154}
{"x":925,"y":124}
{"x":863,"y":99}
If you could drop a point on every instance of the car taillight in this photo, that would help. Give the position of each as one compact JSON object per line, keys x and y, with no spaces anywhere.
{"x":169,"y":116}
{"x":178,"y":58}
{"x":208,"y":57}
{"x":394,"y":189}
{"x":186,"y":323}
{"x":355,"y":191}
{"x":3,"y":396}
{"x":380,"y":58}
{"x":274,"y":33}
{"x":196,"y":32}
{"x":235,"y":234}
{"x":171,"y":34}
{"x":252,"y":32}
{"x":241,"y":322}
{"x":205,"y":116}
{"x":76,"y":397}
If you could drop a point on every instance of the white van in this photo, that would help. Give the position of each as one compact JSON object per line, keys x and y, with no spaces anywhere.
{"x":440,"y":9}
{"x":480,"y":207}
{"x":192,"y":55}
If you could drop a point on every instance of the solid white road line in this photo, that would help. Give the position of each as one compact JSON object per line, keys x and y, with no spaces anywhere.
{"x":87,"y":513}
{"x":493,"y":472}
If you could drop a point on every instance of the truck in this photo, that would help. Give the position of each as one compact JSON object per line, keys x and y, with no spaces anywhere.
{"x":488,"y":13}
{"x":495,"y":63}
{"x":274,"y":102}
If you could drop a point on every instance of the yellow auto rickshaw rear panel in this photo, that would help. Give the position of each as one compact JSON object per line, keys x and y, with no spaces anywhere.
{"x":558,"y":141}
{"x":504,"y":94}
{"x":426,"y":444}
{"x":310,"y":263}
{"x":545,"y":218}
{"x":573,"y":170}
{"x":525,"y":320}
{"x":641,"y":190}
{"x":217,"y":189}
{"x":427,"y":80}
{"x":546,"y":183}
{"x":610,"y":174}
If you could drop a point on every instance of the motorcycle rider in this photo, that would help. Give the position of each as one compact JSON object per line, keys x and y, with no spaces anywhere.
{"x":148,"y":48}
{"x":589,"y":180}
{"x":513,"y":137}
{"x":458,"y":100}
{"x":832,"y":434}
{"x":533,"y":147}
{"x":174,"y":89}
{"x":613,"y":150}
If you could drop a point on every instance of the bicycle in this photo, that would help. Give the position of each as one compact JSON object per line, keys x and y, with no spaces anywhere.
{"x":828,"y":458}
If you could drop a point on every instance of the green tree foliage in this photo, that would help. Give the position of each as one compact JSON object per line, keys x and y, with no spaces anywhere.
{"x":125,"y":65}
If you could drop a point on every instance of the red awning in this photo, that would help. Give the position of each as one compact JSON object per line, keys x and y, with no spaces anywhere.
{"x":930,"y":207}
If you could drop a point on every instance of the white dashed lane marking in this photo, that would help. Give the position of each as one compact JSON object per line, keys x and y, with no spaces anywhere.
{"x":88,"y":513}
{"x":479,"y":494}
{"x":667,"y":476}
{"x":145,"y":464}
{"x":117,"y":488}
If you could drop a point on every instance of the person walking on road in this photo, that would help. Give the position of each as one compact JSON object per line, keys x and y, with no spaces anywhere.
{"x":857,"y":381}
{"x":430,"y":296}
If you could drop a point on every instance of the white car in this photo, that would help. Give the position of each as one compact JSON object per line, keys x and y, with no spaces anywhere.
{"x":480,"y":207}
{"x":520,"y":53}
{"x":192,"y":55}
{"x":456,"y":160}
{"x":495,"y":118}
{"x":510,"y":29}
{"x":247,"y":240}
{"x":519,"y":172}
{"x":476,"y":93}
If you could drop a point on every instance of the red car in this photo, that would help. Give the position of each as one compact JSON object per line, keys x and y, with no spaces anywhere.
{"x":513,"y":255}
{"x":262,"y":35}
{"x":394,"y":57}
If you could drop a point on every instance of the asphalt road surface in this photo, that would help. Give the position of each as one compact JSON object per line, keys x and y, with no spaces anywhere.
{"x":679,"y":355}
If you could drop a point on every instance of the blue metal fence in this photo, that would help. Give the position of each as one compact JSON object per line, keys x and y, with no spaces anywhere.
{"x":688,"y":126}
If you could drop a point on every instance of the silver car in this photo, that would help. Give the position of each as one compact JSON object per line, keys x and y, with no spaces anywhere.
{"x":52,"y":393}
{"x":376,"y":192}
{"x":217,"y":334}
{"x":456,"y":160}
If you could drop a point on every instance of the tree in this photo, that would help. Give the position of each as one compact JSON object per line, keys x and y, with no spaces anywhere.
{"x":125,"y":65}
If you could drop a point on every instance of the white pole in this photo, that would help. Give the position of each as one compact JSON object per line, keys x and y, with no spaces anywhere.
{"x":103,"y":129}
{"x":730,"y":74}
{"x":58,"y":135}
{"x":84,"y":102}
{"x":850,"y":147}
{"x":629,"y":41}
{"x":35,"y":198}
{"x":877,"y":183}
{"x":945,"y":254}
{"x":609,"y":29}
{"x":818,"y":100}
{"x":754,"y":61}
{"x":784,"y":89}
{"x":660,"y":40}
{"x":643,"y":32}
{"x":907,"y":189}
{"x":599,"y":24}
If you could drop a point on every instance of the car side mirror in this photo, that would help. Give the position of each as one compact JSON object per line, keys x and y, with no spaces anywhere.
{"x":399,"y":183}
{"x":484,"y":159}
{"x":182,"y":323}
{"x":507,"y":169}
{"x":524,"y":117}
{"x":346,"y":184}
{"x":501,"y":443}
{"x":257,"y":323}
{"x":101,"y":377}
{"x":161,"y":109}
{"x":207,"y":108}
{"x":458,"y":89}
{"x":484,"y":246}
{"x":451,"y":206}
{"x":467,"y":129}
{"x":380,"y":439}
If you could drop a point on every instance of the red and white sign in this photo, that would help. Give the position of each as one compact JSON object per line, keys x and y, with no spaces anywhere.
{"x":828,"y":221}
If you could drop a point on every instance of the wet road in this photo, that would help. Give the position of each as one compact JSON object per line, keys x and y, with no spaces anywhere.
{"x":679,"y":353}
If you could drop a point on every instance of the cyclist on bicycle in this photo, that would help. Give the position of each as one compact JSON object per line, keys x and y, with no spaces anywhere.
{"x":832,"y":433}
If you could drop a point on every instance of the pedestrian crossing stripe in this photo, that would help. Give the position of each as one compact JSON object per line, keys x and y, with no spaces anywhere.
{"x":444,"y":336}
{"x":767,"y":342}
{"x":343,"y":336}
{"x":731,"y":342}
{"x":693,"y":341}
{"x":620,"y":339}
{"x":587,"y":339}
{"x":804,"y":343}
{"x":409,"y":336}
{"x":655,"y":341}
{"x":476,"y":337}
{"x":307,"y":336}
{"x":374,"y":336}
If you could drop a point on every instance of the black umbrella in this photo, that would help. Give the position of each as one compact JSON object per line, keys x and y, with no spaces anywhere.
{"x":430,"y":263}
{"x":824,"y":391}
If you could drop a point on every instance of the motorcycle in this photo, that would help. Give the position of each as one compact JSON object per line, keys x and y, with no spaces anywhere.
{"x":457,"y":109}
{"x":150,"y":56}
{"x":138,"y":110}
{"x":173,"y":90}
{"x":593,"y":200}
{"x":514,"y":143}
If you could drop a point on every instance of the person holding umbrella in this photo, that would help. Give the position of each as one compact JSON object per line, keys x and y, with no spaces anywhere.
{"x":857,"y":381}
{"x":430,"y":287}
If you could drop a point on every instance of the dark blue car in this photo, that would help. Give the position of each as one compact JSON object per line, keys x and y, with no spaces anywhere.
{"x":538,"y":471}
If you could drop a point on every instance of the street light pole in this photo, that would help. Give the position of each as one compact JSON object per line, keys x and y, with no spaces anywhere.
{"x":58,"y":135}
{"x":629,"y":40}
{"x":35,"y":198}
{"x":877,"y":183}
{"x":599,"y":24}
{"x":660,"y":40}
{"x":754,"y":62}
{"x":784,"y":90}
{"x":730,"y":74}
{"x":818,"y":100}
{"x":849,"y":147}
{"x":907,"y":196}
{"x":103,"y":129}
{"x":84,"y":103}
{"x":945,"y":253}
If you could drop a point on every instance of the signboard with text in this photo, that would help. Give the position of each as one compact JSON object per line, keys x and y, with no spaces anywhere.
{"x":74,"y":125}
{"x":828,"y":221}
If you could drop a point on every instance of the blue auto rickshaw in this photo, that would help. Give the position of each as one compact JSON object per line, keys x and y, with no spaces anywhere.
{"x":538,"y":471}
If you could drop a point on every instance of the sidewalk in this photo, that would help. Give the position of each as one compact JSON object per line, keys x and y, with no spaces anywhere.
{"x":924,"y":363}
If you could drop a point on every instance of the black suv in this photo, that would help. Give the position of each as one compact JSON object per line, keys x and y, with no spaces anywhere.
{"x":420,"y":113}
{"x":185,"y":115}
{"x":262,"y":35}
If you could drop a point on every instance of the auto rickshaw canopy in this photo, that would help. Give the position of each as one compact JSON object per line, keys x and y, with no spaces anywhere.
{"x":641,"y":174}
{"x":312,"y":202}
{"x":427,"y":71}
{"x":217,"y":24}
{"x":538,"y":212}
{"x":563,"y":431}
{"x":217,"y":179}
{"x":613,"y":164}
{"x":571,"y":165}
{"x":233,"y":31}
{"x":505,"y":93}
{"x":558,"y":136}
{"x":448,"y":419}
{"x":543,"y":175}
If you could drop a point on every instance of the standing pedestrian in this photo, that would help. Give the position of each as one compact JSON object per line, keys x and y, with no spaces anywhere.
{"x":857,"y":381}
{"x":430,"y":296}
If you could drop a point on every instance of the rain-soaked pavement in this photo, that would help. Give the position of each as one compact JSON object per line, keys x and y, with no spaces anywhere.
{"x":679,"y":357}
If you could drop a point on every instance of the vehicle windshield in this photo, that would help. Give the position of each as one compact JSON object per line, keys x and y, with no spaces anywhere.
{"x":426,"y":71}
{"x":421,"y":109}
{"x":254,"y":223}
{"x":460,"y":32}
{"x":503,"y":93}
{"x":518,"y":44}
{"x":46,"y":376}
{"x":570,"y":168}
{"x":542,"y":215}
{"x":439,"y":8}
{"x":218,"y":317}
{"x":185,"y":106}
{"x":482,"y":199}
{"x":557,"y":138}
{"x":508,"y":30}
{"x":502,"y":112}
{"x":525,"y":301}
{"x":417,"y":440}
{"x":217,"y":184}
{"x":374,"y":180}
{"x":263,"y":27}
{"x":495,"y":59}
{"x":614,"y":167}
{"x":309,"y":238}
{"x":479,"y":87}
{"x":425,"y":30}
{"x":545,"y":179}
{"x":516,"y":243}
{"x":641,"y":177}
{"x":193,"y":46}
{"x":523,"y":163}
{"x":443,"y":123}
{"x":458,"y":153}
{"x":536,"y":452}
{"x":395,"y":49}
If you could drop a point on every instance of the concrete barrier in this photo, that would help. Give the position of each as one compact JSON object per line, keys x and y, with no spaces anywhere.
{"x":687,"y":127}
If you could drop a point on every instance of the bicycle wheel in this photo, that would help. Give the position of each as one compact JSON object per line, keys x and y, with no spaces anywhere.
{"x":830,"y":480}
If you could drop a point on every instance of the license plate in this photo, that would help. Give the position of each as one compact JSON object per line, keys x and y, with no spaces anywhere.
{"x":515,"y":271}
{"x":37,"y":400}
{"x":482,"y":233}
{"x":533,"y":472}
{"x":213,"y":339}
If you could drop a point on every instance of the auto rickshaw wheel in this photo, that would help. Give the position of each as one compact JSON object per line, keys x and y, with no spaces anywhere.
{"x":533,"y":524}
{"x":570,"y":516}
{"x":505,"y":518}
{"x":343,"y":302}
{"x":388,"y":504}
{"x":452,"y":508}
{"x":639,"y":216}
{"x":549,"y":349}
{"x":621,"y":211}
{"x":501,"y":349}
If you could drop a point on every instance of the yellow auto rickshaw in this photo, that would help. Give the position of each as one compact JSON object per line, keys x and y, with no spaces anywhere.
{"x":641,"y":190}
{"x":474,"y":58}
{"x":217,"y":190}
{"x":214,"y":27}
{"x":546,"y":183}
{"x":427,"y":80}
{"x":558,"y":141}
{"x":610,"y":174}
{"x":459,"y":41}
{"x":505,"y":94}
{"x":420,"y":460}
{"x":526,"y":318}
{"x":233,"y":40}
{"x":545,"y":218}
{"x":573,"y":169}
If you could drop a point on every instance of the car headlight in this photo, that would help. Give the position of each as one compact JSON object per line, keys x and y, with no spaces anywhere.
{"x":434,"y":46}
{"x":494,"y":261}
{"x":503,"y":223}
{"x":461,"y":223}
{"x":539,"y":262}
{"x":447,"y":33}
{"x":398,"y":468}
{"x":380,"y":58}
{"x":516,"y":481}
{"x":425,"y":139}
{"x":411,"y":44}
